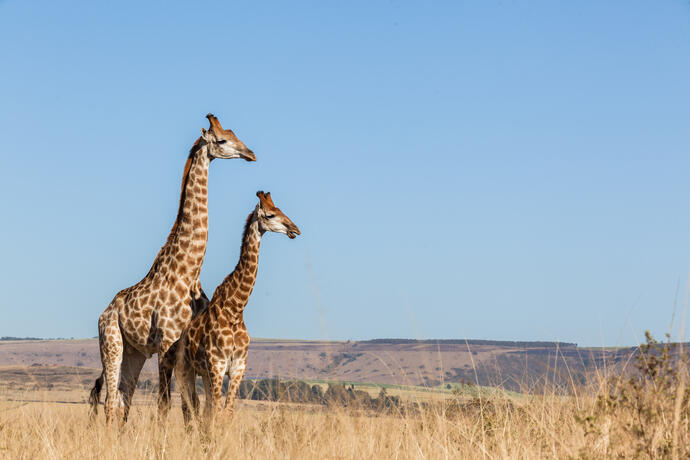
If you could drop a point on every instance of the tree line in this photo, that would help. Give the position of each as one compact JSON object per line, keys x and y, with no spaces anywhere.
{"x":274,"y":389}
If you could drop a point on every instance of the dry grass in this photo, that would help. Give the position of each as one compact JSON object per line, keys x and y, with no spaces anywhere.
{"x":643,"y":415}
{"x":541,"y":427}
{"x":48,"y":430}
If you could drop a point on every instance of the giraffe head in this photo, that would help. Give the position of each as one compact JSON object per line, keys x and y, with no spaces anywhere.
{"x":272,"y":219}
{"x":222,"y":143}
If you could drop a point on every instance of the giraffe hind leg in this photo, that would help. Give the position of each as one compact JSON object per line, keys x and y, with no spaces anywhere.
{"x":206,"y":378}
{"x":165,"y":370}
{"x":186,"y":379}
{"x":111,"y":356}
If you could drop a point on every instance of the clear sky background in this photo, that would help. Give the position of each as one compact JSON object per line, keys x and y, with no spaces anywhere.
{"x":496,"y":170}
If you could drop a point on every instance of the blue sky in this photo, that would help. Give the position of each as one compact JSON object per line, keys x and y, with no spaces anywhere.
{"x":496,"y":170}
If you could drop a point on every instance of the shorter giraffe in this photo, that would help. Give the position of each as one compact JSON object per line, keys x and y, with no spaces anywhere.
{"x":216,"y":341}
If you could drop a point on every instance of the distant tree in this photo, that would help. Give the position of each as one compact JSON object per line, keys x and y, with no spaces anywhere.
{"x":317,"y":394}
{"x":336,"y":395}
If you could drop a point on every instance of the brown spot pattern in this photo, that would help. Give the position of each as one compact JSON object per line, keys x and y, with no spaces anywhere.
{"x":150,"y":316}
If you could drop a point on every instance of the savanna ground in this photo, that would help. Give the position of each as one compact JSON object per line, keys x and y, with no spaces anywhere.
{"x":642,"y":414}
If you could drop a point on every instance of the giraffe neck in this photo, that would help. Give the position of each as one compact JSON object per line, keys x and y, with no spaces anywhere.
{"x":233,"y":294}
{"x":181,"y":258}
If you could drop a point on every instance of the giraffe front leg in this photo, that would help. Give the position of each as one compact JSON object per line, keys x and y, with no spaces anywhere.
{"x":167,"y":356}
{"x":235,"y":374}
{"x":214,"y":406}
{"x":132,"y":362}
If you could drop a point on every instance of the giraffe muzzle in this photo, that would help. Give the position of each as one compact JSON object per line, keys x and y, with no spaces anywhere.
{"x":292,"y":233}
{"x":248,"y":155}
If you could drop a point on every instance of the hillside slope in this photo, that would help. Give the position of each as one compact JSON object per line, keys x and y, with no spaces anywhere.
{"x":514,"y":366}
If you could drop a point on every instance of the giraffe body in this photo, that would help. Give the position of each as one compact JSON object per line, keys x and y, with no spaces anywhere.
{"x":150,"y":316}
{"x":216,"y":341}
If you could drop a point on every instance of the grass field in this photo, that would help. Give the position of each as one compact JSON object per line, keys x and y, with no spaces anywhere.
{"x":643,"y":414}
{"x":543,"y":427}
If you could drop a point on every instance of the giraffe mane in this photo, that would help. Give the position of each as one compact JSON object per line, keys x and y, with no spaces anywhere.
{"x":185,"y":178}
{"x":246,"y":225}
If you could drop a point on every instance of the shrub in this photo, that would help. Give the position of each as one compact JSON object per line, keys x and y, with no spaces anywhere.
{"x":650,"y":408}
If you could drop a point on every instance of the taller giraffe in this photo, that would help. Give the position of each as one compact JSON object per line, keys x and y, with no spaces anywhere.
{"x":150,"y":316}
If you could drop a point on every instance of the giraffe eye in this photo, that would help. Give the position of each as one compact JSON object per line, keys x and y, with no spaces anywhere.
{"x":222,"y":141}
{"x":270,"y":216}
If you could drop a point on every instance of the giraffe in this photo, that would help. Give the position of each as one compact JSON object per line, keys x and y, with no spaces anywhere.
{"x":216,"y":341}
{"x":150,"y":316}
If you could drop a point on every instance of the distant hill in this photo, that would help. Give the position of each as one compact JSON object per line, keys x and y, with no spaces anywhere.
{"x":497,"y":343}
{"x":518,"y":366}
{"x":20,"y":338}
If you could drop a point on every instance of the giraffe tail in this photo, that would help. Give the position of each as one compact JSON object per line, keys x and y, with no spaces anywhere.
{"x":95,"y":396}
